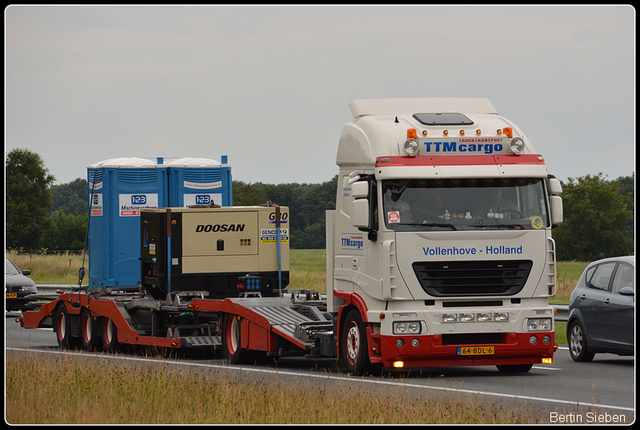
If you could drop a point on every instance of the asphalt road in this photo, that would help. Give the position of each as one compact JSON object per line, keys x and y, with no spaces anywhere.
{"x":564,"y":391}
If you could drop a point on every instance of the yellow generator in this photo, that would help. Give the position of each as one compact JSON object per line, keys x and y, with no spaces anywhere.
{"x":225,"y":251}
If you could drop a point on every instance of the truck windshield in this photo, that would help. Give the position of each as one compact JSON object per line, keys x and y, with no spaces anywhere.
{"x":464,"y":204}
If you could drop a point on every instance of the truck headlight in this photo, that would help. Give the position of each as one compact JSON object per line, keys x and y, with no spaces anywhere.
{"x":467,"y":316}
{"x":484,"y":316}
{"x":407,"y":327}
{"x":516,"y":145}
{"x":447,"y":318}
{"x":411,"y":147}
{"x":501,"y":316}
{"x":539,"y":324}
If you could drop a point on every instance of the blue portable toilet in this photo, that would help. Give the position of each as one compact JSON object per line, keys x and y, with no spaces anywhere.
{"x":118,"y":188}
{"x":199,"y":181}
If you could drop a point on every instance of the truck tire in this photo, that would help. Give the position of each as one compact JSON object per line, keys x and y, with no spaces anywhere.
{"x":354,"y":352}
{"x":63,"y":330}
{"x":109,"y":335}
{"x":88,"y":332}
{"x":578,"y":343}
{"x":231,"y":333}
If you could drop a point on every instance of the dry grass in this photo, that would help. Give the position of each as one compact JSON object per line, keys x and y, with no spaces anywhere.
{"x":78,"y":390}
{"x":51,"y":269}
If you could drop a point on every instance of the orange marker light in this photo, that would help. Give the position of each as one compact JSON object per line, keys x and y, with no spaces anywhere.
{"x":446,"y":132}
{"x":424,"y":132}
{"x":478,"y":132}
{"x":461,"y":132}
{"x":412,"y":133}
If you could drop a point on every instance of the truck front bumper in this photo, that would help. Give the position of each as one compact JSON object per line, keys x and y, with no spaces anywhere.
{"x":436,"y":350}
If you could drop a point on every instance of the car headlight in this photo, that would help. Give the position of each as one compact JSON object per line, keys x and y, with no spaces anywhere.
{"x":407,"y":327}
{"x":539,"y":324}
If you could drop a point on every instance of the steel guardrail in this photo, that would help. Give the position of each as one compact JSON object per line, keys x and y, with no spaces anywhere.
{"x":562,"y":312}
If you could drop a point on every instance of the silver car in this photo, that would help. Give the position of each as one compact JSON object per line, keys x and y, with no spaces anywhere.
{"x":601,"y":309}
{"x":17,"y":286}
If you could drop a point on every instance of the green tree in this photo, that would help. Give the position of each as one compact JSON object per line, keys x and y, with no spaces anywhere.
{"x":245,"y":194}
{"x":28,"y":197}
{"x":67,"y":231}
{"x":71,"y":198}
{"x":307,"y":204}
{"x":626,"y":184}
{"x":595,"y":220}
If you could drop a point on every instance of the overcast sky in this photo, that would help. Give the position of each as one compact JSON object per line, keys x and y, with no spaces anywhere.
{"x":270,"y":86}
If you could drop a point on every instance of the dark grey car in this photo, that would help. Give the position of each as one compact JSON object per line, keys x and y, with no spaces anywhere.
{"x":601,"y":309}
{"x":17,"y":286}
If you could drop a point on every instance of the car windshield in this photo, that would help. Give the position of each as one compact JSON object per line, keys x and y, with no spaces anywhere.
{"x":464,"y":204}
{"x":10,"y":269}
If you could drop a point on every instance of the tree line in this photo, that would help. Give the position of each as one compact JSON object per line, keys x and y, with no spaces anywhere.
{"x":598,"y":213}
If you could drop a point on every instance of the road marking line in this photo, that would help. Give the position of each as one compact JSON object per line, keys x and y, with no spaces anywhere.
{"x":546,"y":368}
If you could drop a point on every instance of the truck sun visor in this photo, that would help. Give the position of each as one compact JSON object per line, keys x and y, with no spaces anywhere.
{"x":443,"y":118}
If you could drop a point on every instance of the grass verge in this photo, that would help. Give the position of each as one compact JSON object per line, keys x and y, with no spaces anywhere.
{"x":78,"y":390}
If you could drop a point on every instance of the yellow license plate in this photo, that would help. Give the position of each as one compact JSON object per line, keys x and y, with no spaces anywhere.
{"x":12,"y":295}
{"x":475,"y":350}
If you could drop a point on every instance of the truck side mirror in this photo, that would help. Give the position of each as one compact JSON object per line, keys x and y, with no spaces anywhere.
{"x":555,"y":187}
{"x":363,"y":205}
{"x":555,"y":201}
{"x":360,"y":213}
{"x":556,"y":210}
{"x":360,"y":205}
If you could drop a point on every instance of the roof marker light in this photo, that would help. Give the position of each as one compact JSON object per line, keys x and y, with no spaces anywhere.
{"x":424,"y":132}
{"x":499,"y":132}
{"x":461,"y":132}
{"x":446,"y":132}
{"x":478,"y":132}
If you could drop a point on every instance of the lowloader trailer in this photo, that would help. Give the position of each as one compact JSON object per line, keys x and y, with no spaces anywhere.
{"x":439,"y":253}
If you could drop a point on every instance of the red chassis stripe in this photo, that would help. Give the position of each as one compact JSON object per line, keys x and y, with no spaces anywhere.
{"x":459,"y":160}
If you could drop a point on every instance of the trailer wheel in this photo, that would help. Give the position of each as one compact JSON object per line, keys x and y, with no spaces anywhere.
{"x":63,"y":330}
{"x":88,"y":332}
{"x":231,"y":339}
{"x":353,"y":345}
{"x":109,"y":335}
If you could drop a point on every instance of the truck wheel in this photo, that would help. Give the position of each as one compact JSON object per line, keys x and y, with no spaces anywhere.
{"x":578,"y":343}
{"x":353,"y":346}
{"x":514,"y":368}
{"x":231,"y":339}
{"x":88,"y":332}
{"x":63,"y":330}
{"x":109,"y":335}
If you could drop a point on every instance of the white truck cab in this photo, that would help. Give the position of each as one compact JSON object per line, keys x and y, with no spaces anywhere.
{"x":441,"y":239}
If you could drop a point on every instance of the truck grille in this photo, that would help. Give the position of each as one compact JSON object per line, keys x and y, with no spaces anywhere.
{"x":472,"y":278}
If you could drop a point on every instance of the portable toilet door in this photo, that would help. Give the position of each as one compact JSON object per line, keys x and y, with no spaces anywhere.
{"x":117,"y":189}
{"x":199,"y":181}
